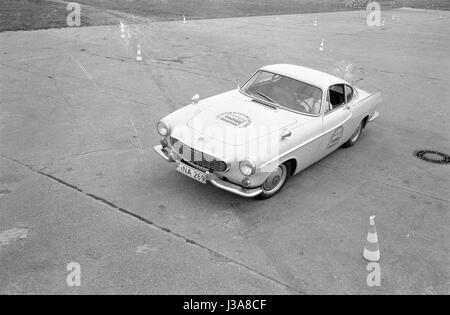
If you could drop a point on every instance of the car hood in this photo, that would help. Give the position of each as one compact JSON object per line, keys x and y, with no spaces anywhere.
{"x":235,"y":119}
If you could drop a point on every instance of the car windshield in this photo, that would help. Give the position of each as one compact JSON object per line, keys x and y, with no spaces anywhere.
{"x":283,"y":91}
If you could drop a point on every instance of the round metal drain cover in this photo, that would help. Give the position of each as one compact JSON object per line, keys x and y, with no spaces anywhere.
{"x":433,"y":156}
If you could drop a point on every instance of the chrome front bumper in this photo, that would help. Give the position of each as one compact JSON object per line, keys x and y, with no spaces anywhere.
{"x":164,"y":154}
{"x":232,"y":188}
{"x":214,"y":180}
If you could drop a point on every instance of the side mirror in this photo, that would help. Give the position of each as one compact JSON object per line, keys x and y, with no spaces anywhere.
{"x":195,"y":99}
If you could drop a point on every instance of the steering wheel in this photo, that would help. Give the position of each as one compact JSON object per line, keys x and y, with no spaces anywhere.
{"x":306,"y":106}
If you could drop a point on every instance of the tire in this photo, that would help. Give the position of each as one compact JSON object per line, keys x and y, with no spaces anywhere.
{"x":271,"y":188}
{"x":355,"y":136}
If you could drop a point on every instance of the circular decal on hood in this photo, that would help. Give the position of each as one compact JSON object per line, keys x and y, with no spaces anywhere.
{"x":239,"y":120}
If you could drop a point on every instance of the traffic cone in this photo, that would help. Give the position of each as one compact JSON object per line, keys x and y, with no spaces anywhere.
{"x":315,"y":22}
{"x":322,"y":45}
{"x":184,"y":19}
{"x":122,"y":29}
{"x":372,"y":250}
{"x":139,"y":55}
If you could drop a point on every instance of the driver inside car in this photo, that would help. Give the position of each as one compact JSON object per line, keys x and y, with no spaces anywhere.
{"x":311,"y":100}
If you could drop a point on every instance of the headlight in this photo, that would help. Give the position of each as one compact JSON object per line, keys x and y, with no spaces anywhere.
{"x":247,"y":167}
{"x":163,"y":128}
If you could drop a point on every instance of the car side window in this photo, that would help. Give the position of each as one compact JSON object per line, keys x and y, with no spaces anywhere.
{"x":336,"y":96}
{"x":348,"y":93}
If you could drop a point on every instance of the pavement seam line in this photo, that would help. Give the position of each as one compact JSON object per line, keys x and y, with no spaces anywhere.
{"x":347,"y":172}
{"x":154,"y":225}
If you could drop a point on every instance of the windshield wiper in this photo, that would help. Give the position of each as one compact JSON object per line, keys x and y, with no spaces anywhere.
{"x":269,"y":102}
{"x":267,"y":98}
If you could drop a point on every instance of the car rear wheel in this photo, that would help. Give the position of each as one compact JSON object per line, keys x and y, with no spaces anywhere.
{"x":275,"y":181}
{"x":355,"y":136}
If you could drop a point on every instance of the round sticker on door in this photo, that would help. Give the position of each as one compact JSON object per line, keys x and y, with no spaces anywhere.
{"x":336,"y":136}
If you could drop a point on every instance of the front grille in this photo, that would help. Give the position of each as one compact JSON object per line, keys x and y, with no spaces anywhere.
{"x":197,"y":157}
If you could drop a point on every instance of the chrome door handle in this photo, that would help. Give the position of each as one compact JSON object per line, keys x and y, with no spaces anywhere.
{"x":285,"y":134}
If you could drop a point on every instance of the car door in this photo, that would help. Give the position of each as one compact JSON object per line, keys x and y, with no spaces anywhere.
{"x":336,"y":116}
{"x":306,"y":142}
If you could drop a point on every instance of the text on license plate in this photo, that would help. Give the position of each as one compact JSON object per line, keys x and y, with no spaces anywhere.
{"x":192,"y":172}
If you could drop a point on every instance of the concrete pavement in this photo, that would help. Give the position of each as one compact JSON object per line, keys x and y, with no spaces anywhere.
{"x":79,"y":178}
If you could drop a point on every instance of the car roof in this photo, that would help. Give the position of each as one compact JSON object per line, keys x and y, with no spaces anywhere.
{"x":307,"y":75}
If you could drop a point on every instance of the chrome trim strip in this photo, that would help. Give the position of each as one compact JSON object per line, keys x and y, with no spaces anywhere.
{"x":163,"y":153}
{"x":302,"y":113}
{"x":232,"y":188}
{"x":306,"y":142}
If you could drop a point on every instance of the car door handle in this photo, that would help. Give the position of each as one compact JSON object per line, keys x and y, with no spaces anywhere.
{"x":285,"y":134}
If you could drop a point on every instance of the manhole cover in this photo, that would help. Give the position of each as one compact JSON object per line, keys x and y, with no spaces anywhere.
{"x":433,"y":156}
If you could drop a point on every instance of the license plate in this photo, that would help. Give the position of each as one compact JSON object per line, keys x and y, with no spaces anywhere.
{"x":192,"y":173}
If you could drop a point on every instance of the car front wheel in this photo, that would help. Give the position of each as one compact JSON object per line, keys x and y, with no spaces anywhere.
{"x":275,"y":181}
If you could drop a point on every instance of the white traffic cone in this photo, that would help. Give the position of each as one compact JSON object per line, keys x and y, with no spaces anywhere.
{"x":322,"y":45}
{"x":184,"y":19}
{"x":139,"y":54}
{"x":315,"y":22}
{"x":122,"y":29}
{"x":372,"y":250}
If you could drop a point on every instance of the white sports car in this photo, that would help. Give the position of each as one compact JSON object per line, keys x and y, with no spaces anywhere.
{"x":249,"y":141}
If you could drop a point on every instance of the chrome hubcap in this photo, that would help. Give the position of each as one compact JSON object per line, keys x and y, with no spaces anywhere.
{"x":275,"y":180}
{"x":356,"y":134}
